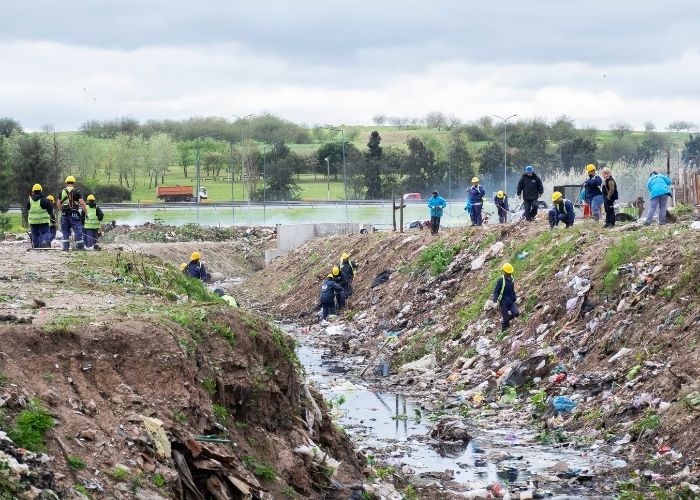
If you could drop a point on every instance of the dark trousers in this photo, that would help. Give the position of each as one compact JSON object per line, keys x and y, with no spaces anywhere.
{"x":509,"y":311}
{"x":502,"y":215}
{"x":52,"y":234}
{"x":40,"y":235}
{"x":326,"y":309}
{"x":348,"y":287}
{"x":69,"y":222}
{"x":609,"y":207}
{"x":340,"y":300}
{"x":529,"y":209}
{"x":555,"y":219}
{"x":91,"y":237}
{"x":434,"y":225}
{"x":476,"y":214}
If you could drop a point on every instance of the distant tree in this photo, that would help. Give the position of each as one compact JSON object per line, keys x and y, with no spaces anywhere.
{"x":373,"y":166}
{"x":576,"y":152}
{"x":184,"y":156}
{"x":7,"y":125}
{"x":681,"y":125}
{"x":460,"y":160}
{"x":281,"y":164}
{"x":691,"y":151}
{"x":562,"y":128}
{"x":616,"y":151}
{"x":490,"y":158}
{"x":356,"y":167}
{"x":527,"y":144}
{"x":649,"y":126}
{"x":332,"y":151}
{"x":6,"y":175}
{"x":436,"y":119}
{"x":379,"y":120}
{"x":163,"y":153}
{"x":375,"y":149}
{"x":417,"y":166}
{"x":620,"y":129}
{"x":453,"y":122}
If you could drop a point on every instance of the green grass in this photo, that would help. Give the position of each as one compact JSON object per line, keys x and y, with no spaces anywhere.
{"x":75,"y":463}
{"x":209,"y":385}
{"x":31,"y":425}
{"x":221,"y":413}
{"x":158,"y":480}
{"x":436,"y":257}
{"x":260,"y":469}
{"x":119,"y":473}
{"x":620,"y":252}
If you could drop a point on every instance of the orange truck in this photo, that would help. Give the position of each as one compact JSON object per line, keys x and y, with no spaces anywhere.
{"x":179,"y":193}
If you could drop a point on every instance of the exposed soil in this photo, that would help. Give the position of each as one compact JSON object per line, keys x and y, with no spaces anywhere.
{"x":638,"y":296}
{"x":102,"y":351}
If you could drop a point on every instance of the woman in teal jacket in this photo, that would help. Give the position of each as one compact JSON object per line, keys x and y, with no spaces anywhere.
{"x":436,"y":204}
{"x":659,"y":191}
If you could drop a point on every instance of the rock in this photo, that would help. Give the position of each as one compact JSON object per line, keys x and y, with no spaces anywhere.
{"x":525,"y":495}
{"x":338,"y":331}
{"x":541,"y":328}
{"x":407,"y":308}
{"x":478,"y":263}
{"x":424,"y":364}
{"x":216,"y":276}
{"x":481,"y":493}
{"x":450,"y":428}
{"x":622,"y":352}
{"x":695,"y":225}
{"x":155,"y":430}
{"x":147,"y":495}
{"x":88,"y":434}
{"x":561,"y":466}
{"x":496,"y":249}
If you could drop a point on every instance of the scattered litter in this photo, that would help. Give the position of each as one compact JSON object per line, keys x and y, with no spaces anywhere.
{"x":618,"y":463}
{"x":509,"y":395}
{"x":693,"y":399}
{"x":632,"y":374}
{"x":695,"y":225}
{"x":571,"y":304}
{"x":423,"y":364}
{"x":155,"y":430}
{"x":450,"y":428}
{"x":562,"y":404}
{"x":622,"y":352}
{"x":381,"y":278}
{"x":522,"y":255}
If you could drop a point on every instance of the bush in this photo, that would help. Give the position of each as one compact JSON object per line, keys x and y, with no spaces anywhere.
{"x":108,"y":193}
{"x":5,"y":225}
{"x":617,"y":254}
{"x":31,"y":425}
{"x":436,"y":257}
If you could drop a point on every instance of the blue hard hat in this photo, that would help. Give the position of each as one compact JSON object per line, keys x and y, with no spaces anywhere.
{"x":529,"y":169}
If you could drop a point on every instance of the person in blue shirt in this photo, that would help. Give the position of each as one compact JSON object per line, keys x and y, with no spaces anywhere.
{"x":594,"y":192}
{"x":195,"y":268}
{"x":504,"y":295}
{"x":659,"y":192}
{"x":436,"y":204}
{"x":501,"y":201}
{"x":329,"y":289}
{"x":562,"y":211}
{"x":475,"y":198}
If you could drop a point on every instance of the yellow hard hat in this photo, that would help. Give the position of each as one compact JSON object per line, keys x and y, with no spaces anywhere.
{"x":195,"y":256}
{"x":344,"y":256}
{"x":70,"y":180}
{"x":336,"y":271}
{"x":329,"y":276}
{"x":36,"y":187}
{"x":475,"y":179}
{"x":590,"y":168}
{"x":507,"y":268}
{"x":556,"y":195}
{"x":91,"y":197}
{"x":183,"y":266}
{"x":51,"y":198}
{"x":501,"y":194}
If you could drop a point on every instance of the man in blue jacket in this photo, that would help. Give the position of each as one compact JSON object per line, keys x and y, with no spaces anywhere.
{"x":594,"y":192}
{"x":504,"y":294}
{"x":475,"y":198}
{"x":436,"y":204}
{"x":501,"y":201}
{"x":563,"y":211}
{"x":659,"y":191}
{"x":530,"y":188}
{"x":329,"y":288}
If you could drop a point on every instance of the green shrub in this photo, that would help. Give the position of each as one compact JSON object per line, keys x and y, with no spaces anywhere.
{"x":75,"y":463}
{"x":437,"y":257}
{"x":221,"y":413}
{"x":619,"y":253}
{"x":31,"y":425}
{"x":261,"y":470}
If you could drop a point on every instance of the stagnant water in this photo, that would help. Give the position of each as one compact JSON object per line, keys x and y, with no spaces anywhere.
{"x":393,"y":428}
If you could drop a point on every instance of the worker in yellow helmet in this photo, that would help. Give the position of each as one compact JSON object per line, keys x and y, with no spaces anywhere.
{"x":53,"y":223}
{"x":501,"y":201}
{"x":71,"y":203}
{"x":329,"y":289}
{"x":504,"y":294}
{"x":475,"y":200}
{"x":347,"y":270}
{"x":594,"y":192}
{"x":340,"y":297}
{"x":195,"y":268}
{"x":39,"y":211}
{"x":562,"y":211}
{"x":93,"y":218}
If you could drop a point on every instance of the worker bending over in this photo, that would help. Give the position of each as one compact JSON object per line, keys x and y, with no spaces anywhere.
{"x":562,"y":211}
{"x":504,"y":294}
{"x":71,"y":203}
{"x":329,"y":290}
{"x":195,"y":268}
{"x":501,"y":201}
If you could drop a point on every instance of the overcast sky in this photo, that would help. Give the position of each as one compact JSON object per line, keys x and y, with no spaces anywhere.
{"x":316,"y":62}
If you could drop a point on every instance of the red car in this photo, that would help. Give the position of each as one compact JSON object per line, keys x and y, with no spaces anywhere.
{"x":412,"y":197}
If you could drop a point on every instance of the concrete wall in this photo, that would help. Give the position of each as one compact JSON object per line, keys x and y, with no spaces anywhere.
{"x":292,"y":236}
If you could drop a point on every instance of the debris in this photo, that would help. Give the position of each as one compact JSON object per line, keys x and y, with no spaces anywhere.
{"x":381,"y":278}
{"x":509,"y":395}
{"x":155,"y":430}
{"x":622,"y":352}
{"x":562,"y":404}
{"x":618,"y":463}
{"x":695,"y":225}
{"x":522,"y":255}
{"x":88,"y":434}
{"x":423,"y":364}
{"x":450,"y":428}
{"x":571,"y":304}
{"x":634,"y":371}
{"x":560,"y":466}
{"x":212,"y":438}
{"x":692,"y":400}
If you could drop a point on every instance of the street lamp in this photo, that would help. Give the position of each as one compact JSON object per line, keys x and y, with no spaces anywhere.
{"x":345,"y":172}
{"x":233,"y":214}
{"x":264,"y":185}
{"x":328,"y":177}
{"x":505,"y":149}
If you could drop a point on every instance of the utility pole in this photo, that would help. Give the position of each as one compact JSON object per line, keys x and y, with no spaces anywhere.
{"x":233,"y":207}
{"x":505,"y":150}
{"x":242,"y":165}
{"x":197,"y":188}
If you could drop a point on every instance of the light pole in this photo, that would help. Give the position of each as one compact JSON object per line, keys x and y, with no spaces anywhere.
{"x":505,"y":149}
{"x":242,"y":162}
{"x":264,"y":184}
{"x":345,"y":173}
{"x":328,"y":177}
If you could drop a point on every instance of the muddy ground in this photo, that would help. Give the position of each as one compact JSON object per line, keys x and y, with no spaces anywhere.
{"x":610,"y":323}
{"x":155,"y":387}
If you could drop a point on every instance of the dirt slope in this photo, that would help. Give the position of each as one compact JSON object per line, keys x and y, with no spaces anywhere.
{"x":633,"y":293}
{"x":105,"y":340}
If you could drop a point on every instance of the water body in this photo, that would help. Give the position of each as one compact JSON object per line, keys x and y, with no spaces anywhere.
{"x":394,"y":428}
{"x":379,"y":216}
